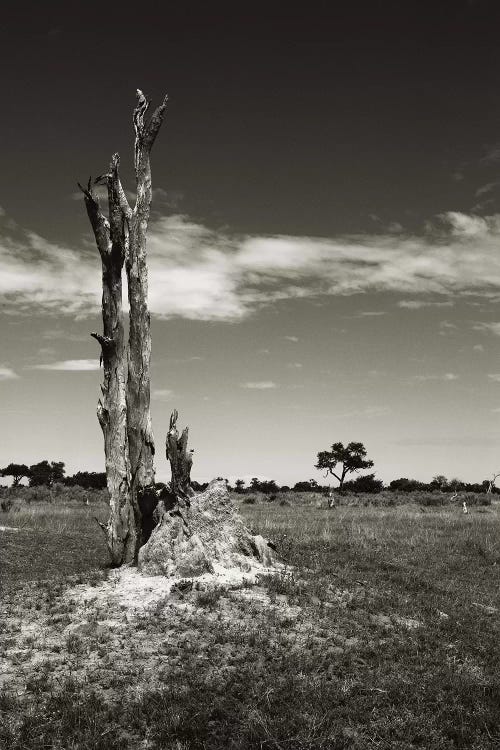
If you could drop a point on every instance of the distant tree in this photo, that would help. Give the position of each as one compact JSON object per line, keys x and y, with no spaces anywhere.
{"x":268,"y":486}
{"x":239,"y":485}
{"x":366,"y":483}
{"x":46,"y":473}
{"x":439,"y":482}
{"x":284,"y":488}
{"x":456,"y":484}
{"x":310,"y":486}
{"x":16,"y":471}
{"x":403,"y":484}
{"x":349,"y":458}
{"x":91,"y":480}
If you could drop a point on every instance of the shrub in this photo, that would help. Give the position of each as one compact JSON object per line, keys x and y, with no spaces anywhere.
{"x":7,"y":504}
{"x":366,"y":483}
{"x":249,"y":499}
{"x":475,"y":498}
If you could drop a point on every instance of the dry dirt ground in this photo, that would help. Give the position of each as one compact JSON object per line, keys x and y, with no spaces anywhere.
{"x":129,"y":631}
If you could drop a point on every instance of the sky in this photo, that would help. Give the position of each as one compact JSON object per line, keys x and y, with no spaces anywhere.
{"x":324,"y":246}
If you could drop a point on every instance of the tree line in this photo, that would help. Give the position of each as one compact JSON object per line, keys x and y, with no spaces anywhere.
{"x":47,"y":473}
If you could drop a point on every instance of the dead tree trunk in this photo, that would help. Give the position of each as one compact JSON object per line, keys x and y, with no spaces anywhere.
{"x":124,"y":410}
{"x":181,"y":461}
{"x":121,"y":532}
{"x":140,"y":434}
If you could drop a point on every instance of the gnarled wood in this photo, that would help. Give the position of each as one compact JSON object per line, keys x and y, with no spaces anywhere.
{"x":120,"y":531}
{"x":181,"y":461}
{"x":124,"y":408}
{"x":140,"y":434}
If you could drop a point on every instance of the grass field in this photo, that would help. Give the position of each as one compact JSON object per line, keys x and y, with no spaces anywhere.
{"x":383,"y":631}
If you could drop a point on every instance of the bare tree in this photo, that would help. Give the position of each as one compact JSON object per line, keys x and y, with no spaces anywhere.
{"x":491,"y":482}
{"x":124,"y":407}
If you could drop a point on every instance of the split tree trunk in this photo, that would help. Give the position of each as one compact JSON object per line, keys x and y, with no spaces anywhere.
{"x":124,"y":409}
{"x":121,"y":532}
{"x":181,"y":461}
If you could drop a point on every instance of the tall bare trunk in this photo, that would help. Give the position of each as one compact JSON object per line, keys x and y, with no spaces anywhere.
{"x":124,"y":409}
{"x":121,"y":533}
{"x":140,"y":433}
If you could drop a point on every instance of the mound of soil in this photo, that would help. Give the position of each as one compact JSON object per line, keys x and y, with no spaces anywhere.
{"x":204,"y":532}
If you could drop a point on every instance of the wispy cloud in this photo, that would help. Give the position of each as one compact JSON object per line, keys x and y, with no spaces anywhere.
{"x":418,"y":304}
{"x":293,"y":339}
{"x":203,"y":274}
{"x":163,"y":394}
{"x":6,"y":373}
{"x":259,"y":385}
{"x":485,"y":189}
{"x":446,"y":377}
{"x":494,"y":376}
{"x":489,"y":327}
{"x":69,"y":365}
{"x":295,"y":365}
{"x":446,"y":328}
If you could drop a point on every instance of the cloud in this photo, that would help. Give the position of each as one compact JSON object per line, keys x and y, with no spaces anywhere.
{"x":69,"y":365}
{"x":7,"y":374}
{"x":260,"y":385}
{"x":446,"y":327}
{"x":294,"y":365}
{"x":414,"y":304}
{"x":163,"y":394}
{"x":490,"y":327}
{"x":494,"y":376}
{"x":371,"y":314}
{"x":203,"y":274}
{"x":478,"y":348}
{"x":485,"y":189}
{"x":447,"y":377}
{"x":464,"y":225}
{"x":293,"y":339}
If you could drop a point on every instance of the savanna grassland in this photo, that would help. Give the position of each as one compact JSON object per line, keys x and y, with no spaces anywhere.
{"x":382,"y":630}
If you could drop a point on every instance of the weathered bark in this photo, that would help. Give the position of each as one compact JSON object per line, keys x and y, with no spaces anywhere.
{"x":124,"y":409}
{"x":140,"y":435}
{"x":181,"y":461}
{"x":121,"y":533}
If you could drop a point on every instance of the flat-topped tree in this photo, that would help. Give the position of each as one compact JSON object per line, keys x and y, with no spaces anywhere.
{"x":124,"y":407}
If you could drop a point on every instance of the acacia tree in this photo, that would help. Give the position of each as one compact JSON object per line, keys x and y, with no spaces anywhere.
{"x":16,"y":471}
{"x":124,"y":407}
{"x":349,"y":458}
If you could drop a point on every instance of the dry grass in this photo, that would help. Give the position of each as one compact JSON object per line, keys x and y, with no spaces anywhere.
{"x":383,"y":632}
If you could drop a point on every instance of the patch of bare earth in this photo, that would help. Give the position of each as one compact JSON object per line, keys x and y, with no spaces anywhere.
{"x":130,"y":632}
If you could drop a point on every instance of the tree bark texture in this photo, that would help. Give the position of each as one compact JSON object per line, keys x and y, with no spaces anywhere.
{"x":121,"y":532}
{"x":124,"y":408}
{"x":181,"y":461}
{"x":140,"y":434}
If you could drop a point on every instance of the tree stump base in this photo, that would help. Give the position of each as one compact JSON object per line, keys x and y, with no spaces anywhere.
{"x":194,"y":536}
